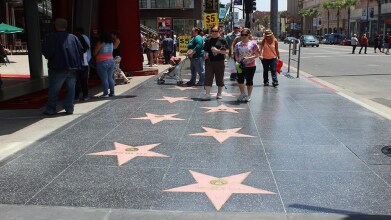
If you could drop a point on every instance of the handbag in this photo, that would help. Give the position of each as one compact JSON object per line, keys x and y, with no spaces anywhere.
{"x":279,"y":61}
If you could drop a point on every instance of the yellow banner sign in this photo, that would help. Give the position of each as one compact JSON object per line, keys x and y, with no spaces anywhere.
{"x":183,"y":42}
{"x":211,"y":20}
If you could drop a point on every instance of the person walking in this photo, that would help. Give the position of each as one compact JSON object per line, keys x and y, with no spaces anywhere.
{"x":230,"y":40}
{"x":154,"y":54}
{"x":215,"y":49}
{"x":103,"y":53}
{"x":269,"y":54}
{"x":82,"y":74}
{"x":63,"y":51}
{"x":117,"y":55}
{"x":168,"y":48}
{"x":246,"y":51}
{"x":385,"y":42}
{"x":389,"y":44}
{"x":377,"y":43}
{"x":363,"y":43}
{"x":196,"y":55}
{"x":354,"y":42}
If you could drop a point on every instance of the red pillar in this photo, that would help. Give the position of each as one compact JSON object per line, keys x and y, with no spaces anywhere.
{"x":129,"y":27}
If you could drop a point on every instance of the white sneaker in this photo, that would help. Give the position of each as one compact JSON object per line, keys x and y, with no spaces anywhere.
{"x":241,"y":97}
{"x":219,"y":96}
{"x":206,"y":97}
{"x":247,"y":99}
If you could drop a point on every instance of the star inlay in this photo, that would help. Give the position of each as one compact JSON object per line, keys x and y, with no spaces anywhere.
{"x":219,"y":190}
{"x":183,"y":88}
{"x":174,"y":99}
{"x":221,"y":135}
{"x":125,"y":153}
{"x":226,"y":94}
{"x":222,"y":108}
{"x":158,"y":118}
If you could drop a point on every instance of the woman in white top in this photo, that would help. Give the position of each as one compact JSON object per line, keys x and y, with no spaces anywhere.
{"x":354,"y":42}
{"x":154,"y":51}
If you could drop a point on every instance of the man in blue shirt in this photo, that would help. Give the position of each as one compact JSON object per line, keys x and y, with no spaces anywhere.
{"x":168,"y":47}
{"x":64,"y":54}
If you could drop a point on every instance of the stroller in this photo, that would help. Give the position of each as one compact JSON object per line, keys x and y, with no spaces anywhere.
{"x":173,"y":72}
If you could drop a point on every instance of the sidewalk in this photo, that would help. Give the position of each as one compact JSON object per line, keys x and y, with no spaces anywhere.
{"x":298,"y":151}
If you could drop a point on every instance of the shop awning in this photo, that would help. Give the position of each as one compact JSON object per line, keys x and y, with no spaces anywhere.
{"x":9,"y":29}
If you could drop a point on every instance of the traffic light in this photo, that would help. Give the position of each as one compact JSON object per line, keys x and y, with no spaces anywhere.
{"x":254,"y":5}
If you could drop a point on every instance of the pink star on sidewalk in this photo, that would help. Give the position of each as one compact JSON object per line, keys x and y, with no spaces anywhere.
{"x":125,"y":153}
{"x":222,"y":108}
{"x":158,"y":118}
{"x":174,"y":99}
{"x":226,"y":94}
{"x":219,"y":190}
{"x":183,"y":88}
{"x":221,"y":135}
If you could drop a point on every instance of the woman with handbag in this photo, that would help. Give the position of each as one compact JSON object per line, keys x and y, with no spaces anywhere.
{"x":269,"y":55}
{"x":246,"y":51}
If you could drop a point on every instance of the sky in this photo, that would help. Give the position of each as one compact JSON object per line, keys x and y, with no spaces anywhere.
{"x":264,"y":5}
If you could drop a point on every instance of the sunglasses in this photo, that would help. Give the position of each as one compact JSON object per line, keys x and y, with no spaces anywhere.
{"x":244,"y":35}
{"x":214,"y":31}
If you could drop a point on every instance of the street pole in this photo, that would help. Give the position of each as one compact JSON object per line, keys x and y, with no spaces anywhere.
{"x":232,"y":15}
{"x":274,"y":17}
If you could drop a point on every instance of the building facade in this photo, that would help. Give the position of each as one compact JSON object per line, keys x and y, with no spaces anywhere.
{"x":364,"y":17}
{"x":180,"y":15}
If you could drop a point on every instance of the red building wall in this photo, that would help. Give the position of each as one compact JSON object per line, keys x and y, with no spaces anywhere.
{"x":121,"y":15}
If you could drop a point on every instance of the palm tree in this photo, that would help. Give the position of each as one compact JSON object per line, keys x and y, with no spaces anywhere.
{"x":309,"y":12}
{"x":338,"y":5}
{"x":328,"y":6}
{"x":348,"y":4}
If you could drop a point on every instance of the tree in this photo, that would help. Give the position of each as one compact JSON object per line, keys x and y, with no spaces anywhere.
{"x":347,"y":4}
{"x":338,"y":5}
{"x":309,"y":12}
{"x":327,"y":6}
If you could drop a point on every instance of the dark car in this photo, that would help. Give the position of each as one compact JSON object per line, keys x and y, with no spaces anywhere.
{"x":334,"y":38}
{"x":309,"y":40}
{"x":289,"y":40}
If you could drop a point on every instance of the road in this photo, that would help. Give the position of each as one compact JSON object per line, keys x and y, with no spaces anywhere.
{"x":366,"y":75}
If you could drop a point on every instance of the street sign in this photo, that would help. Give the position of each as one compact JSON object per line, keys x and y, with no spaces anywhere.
{"x":211,"y":20}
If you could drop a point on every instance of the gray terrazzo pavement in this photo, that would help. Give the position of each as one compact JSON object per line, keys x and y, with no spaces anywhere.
{"x":319,"y":153}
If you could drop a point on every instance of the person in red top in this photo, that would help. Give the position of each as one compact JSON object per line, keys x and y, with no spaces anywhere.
{"x":363,"y":43}
{"x":389,"y":44}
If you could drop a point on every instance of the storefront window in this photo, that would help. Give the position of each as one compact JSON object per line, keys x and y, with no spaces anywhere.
{"x":188,"y":3}
{"x":176,"y":3}
{"x":183,"y":26}
{"x":143,"y":3}
{"x":160,"y":3}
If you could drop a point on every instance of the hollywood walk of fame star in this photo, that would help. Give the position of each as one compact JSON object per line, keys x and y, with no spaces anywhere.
{"x":222,"y":108}
{"x":158,"y":118}
{"x":125,"y":153}
{"x":219,"y":190}
{"x":183,"y":88}
{"x":221,"y":135}
{"x":226,"y":94}
{"x":174,"y":99}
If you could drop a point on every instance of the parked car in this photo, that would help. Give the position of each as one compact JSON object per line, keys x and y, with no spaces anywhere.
{"x":289,"y":40}
{"x":309,"y":40}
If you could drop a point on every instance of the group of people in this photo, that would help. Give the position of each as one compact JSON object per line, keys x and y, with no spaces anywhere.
{"x":69,"y":56}
{"x":240,"y":47}
{"x":379,"y":42}
{"x":153,"y":46}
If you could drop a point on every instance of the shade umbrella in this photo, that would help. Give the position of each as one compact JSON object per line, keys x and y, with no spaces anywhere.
{"x":9,"y":29}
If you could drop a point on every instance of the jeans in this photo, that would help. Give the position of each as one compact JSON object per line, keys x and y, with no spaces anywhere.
{"x":197,"y":66}
{"x":167,"y":56}
{"x":269,"y":64}
{"x":354,"y":48}
{"x":105,"y":70}
{"x":82,"y":82}
{"x":56,"y":80}
{"x":363,"y":45}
